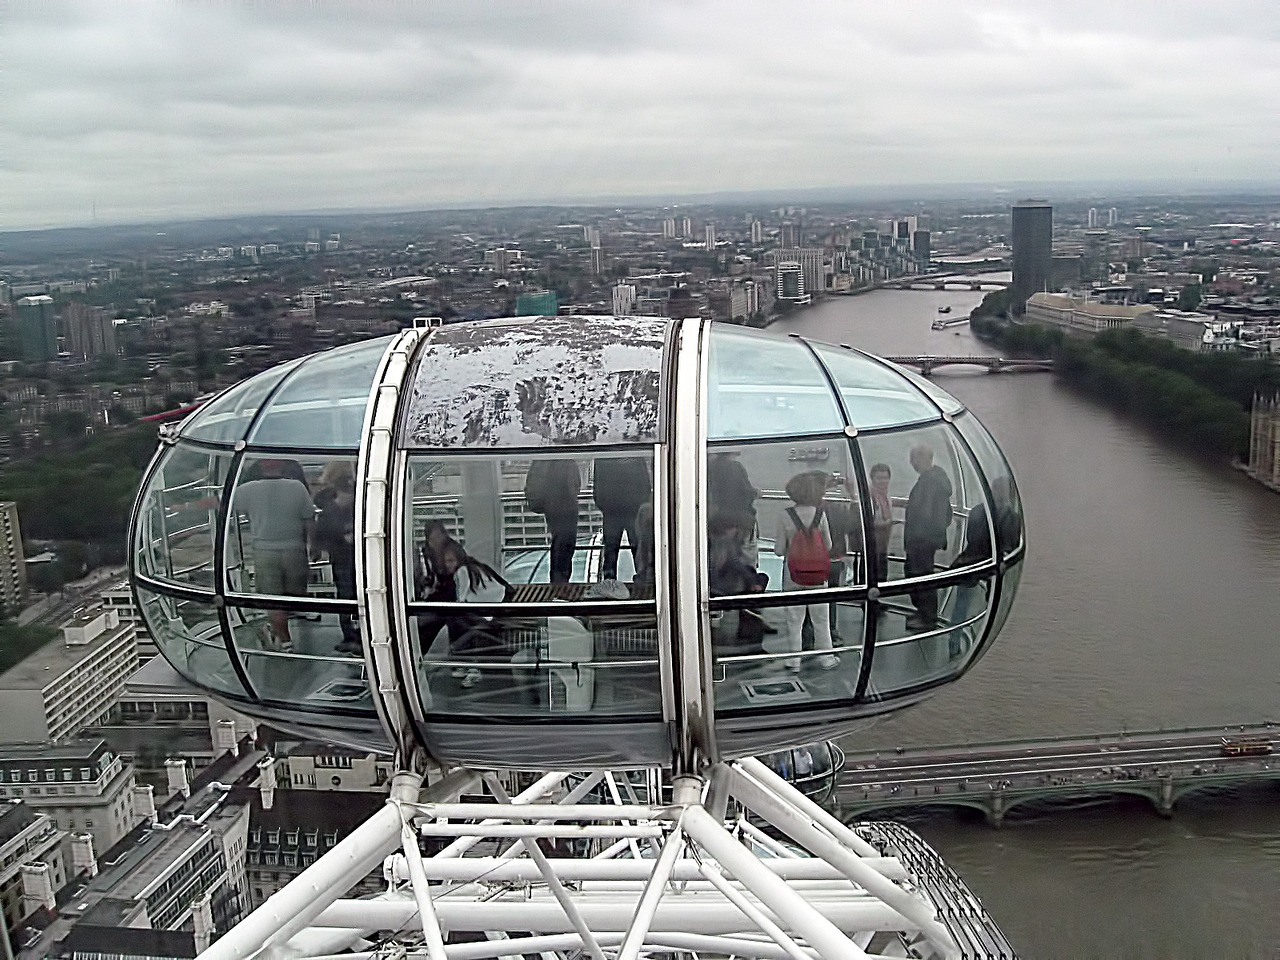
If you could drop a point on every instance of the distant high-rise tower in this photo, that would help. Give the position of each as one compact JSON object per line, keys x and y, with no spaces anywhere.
{"x":669,"y":228}
{"x":37,"y":328}
{"x":624,"y":299}
{"x":711,"y":238}
{"x":1112,"y":217}
{"x":90,"y":332}
{"x":1032,"y":236}
{"x":790,"y":280}
{"x":787,"y":237}
{"x":1093,"y":217}
{"x":921,"y":246}
{"x":757,"y":232}
{"x":13,"y":568}
{"x":597,"y":260}
{"x":686,"y":227}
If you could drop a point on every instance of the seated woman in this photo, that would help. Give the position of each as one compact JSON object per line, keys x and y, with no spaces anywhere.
{"x":473,"y":582}
{"x":430,"y":582}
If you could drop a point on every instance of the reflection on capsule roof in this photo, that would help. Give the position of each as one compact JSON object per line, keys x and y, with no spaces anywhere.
{"x":542,"y":542}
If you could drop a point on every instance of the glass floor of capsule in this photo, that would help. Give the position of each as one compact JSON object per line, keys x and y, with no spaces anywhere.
{"x":769,"y":675}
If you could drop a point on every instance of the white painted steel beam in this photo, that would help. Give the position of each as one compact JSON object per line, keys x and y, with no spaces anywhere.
{"x":698,"y":912}
{"x":515,"y":870}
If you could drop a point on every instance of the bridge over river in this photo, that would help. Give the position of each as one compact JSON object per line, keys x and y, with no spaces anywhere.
{"x":928,"y":363}
{"x":943,"y":281}
{"x":1160,"y":765}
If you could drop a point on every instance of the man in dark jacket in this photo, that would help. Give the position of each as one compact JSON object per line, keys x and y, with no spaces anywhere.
{"x":928,"y":516}
{"x":551,"y":488}
{"x":620,"y":486}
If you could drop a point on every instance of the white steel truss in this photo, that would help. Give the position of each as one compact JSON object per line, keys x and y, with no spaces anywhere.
{"x":605,"y":865}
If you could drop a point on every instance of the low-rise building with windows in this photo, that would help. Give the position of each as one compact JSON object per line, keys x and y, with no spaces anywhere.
{"x":81,"y":785}
{"x":26,"y":835}
{"x":64,"y":687}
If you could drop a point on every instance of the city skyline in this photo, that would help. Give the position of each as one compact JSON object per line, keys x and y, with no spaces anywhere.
{"x":143,"y":112}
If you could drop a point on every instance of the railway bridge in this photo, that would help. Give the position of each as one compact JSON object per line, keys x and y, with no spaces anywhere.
{"x":1161,"y":766}
{"x":928,"y":363}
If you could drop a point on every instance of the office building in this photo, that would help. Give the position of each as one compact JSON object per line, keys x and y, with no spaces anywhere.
{"x":790,"y":283}
{"x":500,"y":260}
{"x":290,"y":829}
{"x":13,"y":567}
{"x":1095,"y":261}
{"x":37,"y":328}
{"x":787,"y":236}
{"x":1113,"y":217}
{"x":624,"y":299}
{"x":597,"y":261}
{"x":1082,"y":317}
{"x":168,"y":889}
{"x":921,"y":246}
{"x":90,"y":331}
{"x":65,"y":686}
{"x":757,"y":232}
{"x":710,"y":240}
{"x":1032,"y":238}
{"x":669,"y":228}
{"x":812,"y":262}
{"x":26,"y":835}
{"x":686,"y":227}
{"x":82,"y":786}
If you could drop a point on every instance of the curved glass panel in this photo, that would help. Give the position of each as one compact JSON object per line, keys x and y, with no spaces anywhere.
{"x":766,"y":386}
{"x":513,"y":665}
{"x":943,"y":399}
{"x":812,"y":769}
{"x":787,"y":656}
{"x":311,"y":672}
{"x":911,"y":657}
{"x":190,"y":637}
{"x":533,"y":529}
{"x":522,"y":383}
{"x":291,"y":527}
{"x":751,"y":491}
{"x":1007,"y":514}
{"x":874,"y":395}
{"x":323,"y":404}
{"x":177,"y":516}
{"x":919,"y":476}
{"x":226,"y":418}
{"x":1008,"y":590}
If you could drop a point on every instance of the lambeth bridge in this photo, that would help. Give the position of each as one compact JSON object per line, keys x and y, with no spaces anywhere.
{"x":1160,"y":765}
{"x":928,"y":364}
{"x":943,"y":281}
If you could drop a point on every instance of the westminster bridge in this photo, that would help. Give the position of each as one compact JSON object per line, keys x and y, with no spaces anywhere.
{"x":1160,"y":765}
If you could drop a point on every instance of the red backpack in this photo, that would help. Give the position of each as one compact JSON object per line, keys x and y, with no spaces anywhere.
{"x":808,"y":556}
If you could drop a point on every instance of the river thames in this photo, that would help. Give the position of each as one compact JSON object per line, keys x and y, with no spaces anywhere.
{"x":1151,"y":598}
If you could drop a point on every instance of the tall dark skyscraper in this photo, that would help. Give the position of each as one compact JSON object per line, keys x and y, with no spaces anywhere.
{"x":1032,"y":249}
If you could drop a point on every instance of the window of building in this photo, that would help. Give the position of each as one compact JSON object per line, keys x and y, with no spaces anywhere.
{"x":66,"y":773}
{"x":86,"y":773}
{"x":33,"y":775}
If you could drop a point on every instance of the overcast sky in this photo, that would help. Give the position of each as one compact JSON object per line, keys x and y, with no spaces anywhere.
{"x":135,"y":111}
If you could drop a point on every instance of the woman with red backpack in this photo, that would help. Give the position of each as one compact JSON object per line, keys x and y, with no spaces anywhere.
{"x":803,"y":539}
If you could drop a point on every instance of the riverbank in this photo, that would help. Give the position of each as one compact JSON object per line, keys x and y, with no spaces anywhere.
{"x":1175,"y":395}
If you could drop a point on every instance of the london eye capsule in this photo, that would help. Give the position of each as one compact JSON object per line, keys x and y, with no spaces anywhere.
{"x":577,"y":542}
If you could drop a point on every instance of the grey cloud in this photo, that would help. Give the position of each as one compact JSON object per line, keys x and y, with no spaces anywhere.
{"x":164,"y":108}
